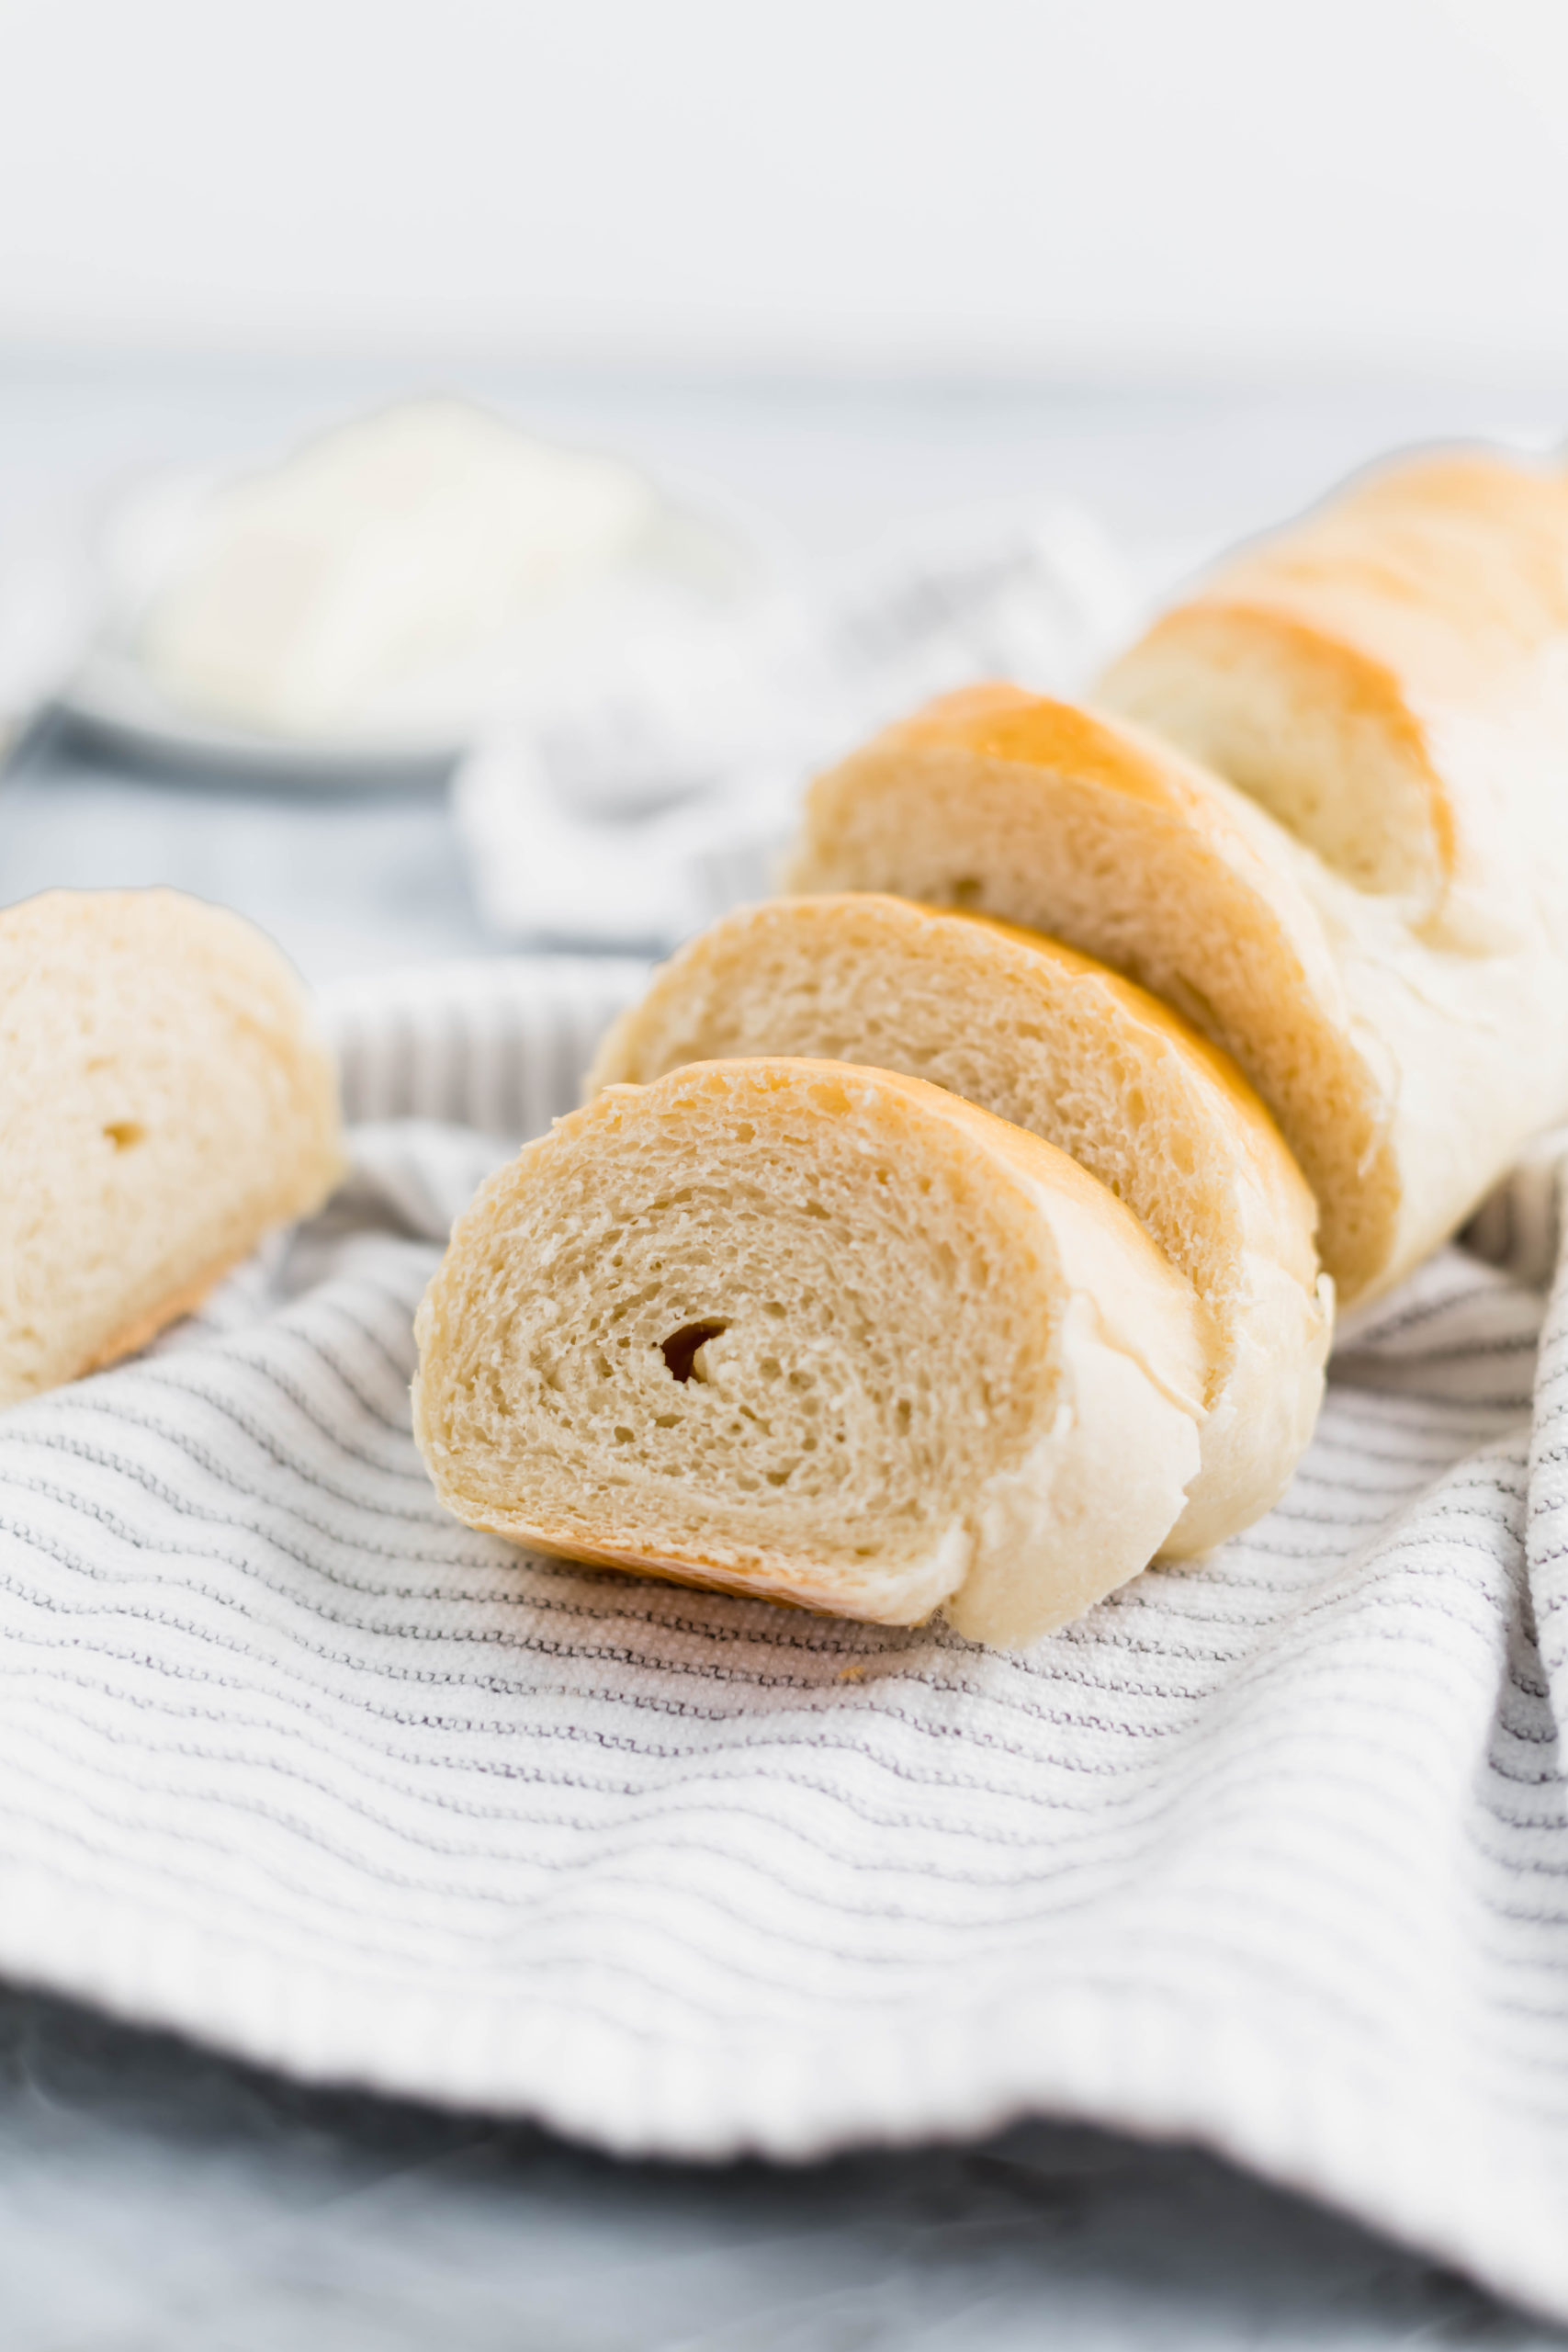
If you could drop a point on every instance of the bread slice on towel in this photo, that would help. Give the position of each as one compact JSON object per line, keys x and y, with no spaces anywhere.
{"x":1054,"y":1043}
{"x":164,"y":1101}
{"x":1404,"y":1075}
{"x":818,"y":1334}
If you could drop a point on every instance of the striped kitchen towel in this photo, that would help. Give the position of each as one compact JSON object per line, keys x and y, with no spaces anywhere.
{"x":1272,"y":1852}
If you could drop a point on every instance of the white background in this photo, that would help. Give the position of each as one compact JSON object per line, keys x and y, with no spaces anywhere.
{"x":960,"y":188}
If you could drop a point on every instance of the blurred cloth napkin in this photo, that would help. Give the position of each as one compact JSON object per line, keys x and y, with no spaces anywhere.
{"x":630,"y":815}
{"x":1271,"y":1852}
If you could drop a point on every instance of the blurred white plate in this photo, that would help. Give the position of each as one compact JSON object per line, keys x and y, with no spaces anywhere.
{"x":113,"y":699}
{"x":706,"y":573}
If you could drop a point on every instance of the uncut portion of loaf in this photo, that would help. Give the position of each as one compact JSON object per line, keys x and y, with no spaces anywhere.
{"x":818,"y":1334}
{"x":164,"y":1101}
{"x":1056,"y":1043}
{"x":1402,"y":1076}
{"x":1389,"y":677}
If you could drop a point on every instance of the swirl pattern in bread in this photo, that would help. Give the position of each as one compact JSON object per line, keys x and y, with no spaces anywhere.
{"x":1059,"y":1046}
{"x":1322,"y":817}
{"x":819,"y":1334}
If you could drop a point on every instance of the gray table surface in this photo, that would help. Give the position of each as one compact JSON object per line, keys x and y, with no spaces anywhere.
{"x":158,"y":2198}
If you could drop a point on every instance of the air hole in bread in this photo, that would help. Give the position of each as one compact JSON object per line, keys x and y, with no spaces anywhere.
{"x":804,"y":1480}
{"x":125,"y":1134}
{"x":680,"y":1349}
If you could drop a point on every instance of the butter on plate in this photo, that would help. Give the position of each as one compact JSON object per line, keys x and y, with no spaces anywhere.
{"x":384,"y":566}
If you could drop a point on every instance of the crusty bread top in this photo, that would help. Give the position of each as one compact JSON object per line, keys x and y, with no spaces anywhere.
{"x":695,"y":1001}
{"x":1019,"y":806}
{"x":1450,"y":569}
{"x":1112,"y":754}
{"x":1390,"y":676}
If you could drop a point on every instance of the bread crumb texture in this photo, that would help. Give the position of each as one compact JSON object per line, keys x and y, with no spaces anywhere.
{"x":1056,"y":1043}
{"x":1405,"y":1061}
{"x":819,"y":1334}
{"x":164,"y":1101}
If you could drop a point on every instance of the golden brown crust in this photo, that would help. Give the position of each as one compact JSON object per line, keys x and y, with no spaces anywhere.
{"x":1329,"y":671}
{"x":1059,"y":1046}
{"x":1451,"y":560}
{"x":1103,"y":757}
{"x":1084,"y":828}
{"x":1413,"y":611}
{"x":1388,"y":677}
{"x":1005,"y":722}
{"x":633,"y":1050}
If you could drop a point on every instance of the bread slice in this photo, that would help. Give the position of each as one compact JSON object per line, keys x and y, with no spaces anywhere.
{"x":1054,"y":1043}
{"x":1389,"y":677}
{"x":164,"y":1101}
{"x":1403,"y":1077}
{"x":818,"y":1334}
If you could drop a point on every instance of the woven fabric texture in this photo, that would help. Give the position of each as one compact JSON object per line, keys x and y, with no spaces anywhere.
{"x":1272,"y":1852}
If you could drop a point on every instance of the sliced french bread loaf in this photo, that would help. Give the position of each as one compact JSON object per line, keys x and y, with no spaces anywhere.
{"x":1056,"y":1043}
{"x":1402,"y":1075}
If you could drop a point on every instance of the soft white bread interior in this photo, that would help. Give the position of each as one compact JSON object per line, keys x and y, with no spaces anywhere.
{"x":820,"y":1334}
{"x":1056,"y":1043}
{"x":1404,"y":1075}
{"x":164,"y":1101}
